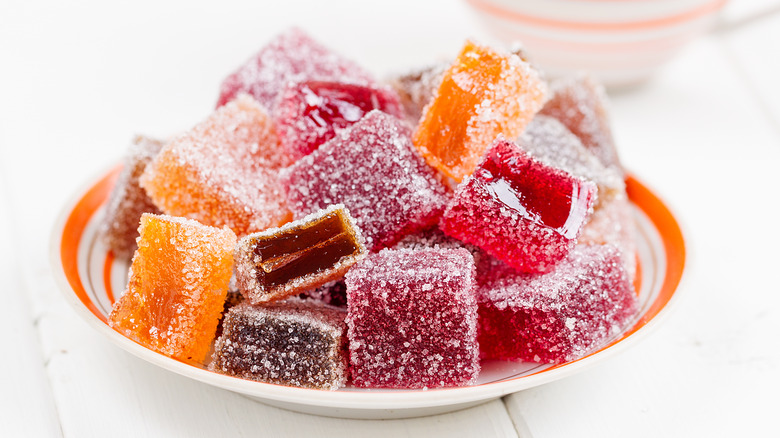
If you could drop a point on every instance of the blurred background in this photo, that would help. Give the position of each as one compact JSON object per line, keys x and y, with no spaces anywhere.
{"x":79,"y":79}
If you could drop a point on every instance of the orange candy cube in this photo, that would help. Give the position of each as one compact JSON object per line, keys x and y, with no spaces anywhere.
{"x":224,"y":171}
{"x":483,"y":94}
{"x":177,"y":288}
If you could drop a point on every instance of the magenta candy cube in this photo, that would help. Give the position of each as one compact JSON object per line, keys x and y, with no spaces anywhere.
{"x":520,"y":210}
{"x":412,"y":319}
{"x":373,"y":169}
{"x":292,"y":56}
{"x":557,"y":316}
{"x":310,"y":113}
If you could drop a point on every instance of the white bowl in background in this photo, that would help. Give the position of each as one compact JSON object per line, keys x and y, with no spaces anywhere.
{"x":620,"y":42}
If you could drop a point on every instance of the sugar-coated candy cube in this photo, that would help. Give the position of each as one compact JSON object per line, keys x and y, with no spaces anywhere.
{"x":557,"y":316}
{"x":416,"y":88}
{"x":613,"y":223}
{"x":581,"y":105}
{"x":547,"y":140}
{"x":310,"y":113}
{"x":411,"y":317}
{"x":128,"y":201}
{"x":518,"y":209}
{"x":372,"y":168}
{"x":177,"y":285}
{"x":223,"y":171}
{"x":483,"y":94}
{"x":292,"y":56}
{"x":291,"y":342}
{"x":301,"y":255}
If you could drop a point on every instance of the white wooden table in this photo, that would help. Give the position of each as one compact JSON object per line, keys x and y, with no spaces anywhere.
{"x":78,"y":80}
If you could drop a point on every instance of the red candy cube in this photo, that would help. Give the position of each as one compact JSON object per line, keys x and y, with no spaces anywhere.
{"x":310,"y":113}
{"x":558,"y":316}
{"x":411,"y":318}
{"x":518,"y":209}
{"x":373,"y":169}
{"x":292,"y":56}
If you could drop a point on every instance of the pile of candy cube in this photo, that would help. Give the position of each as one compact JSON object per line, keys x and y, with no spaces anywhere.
{"x":323,"y":228}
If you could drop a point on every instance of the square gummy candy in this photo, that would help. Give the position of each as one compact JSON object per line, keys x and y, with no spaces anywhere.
{"x":411,"y":317}
{"x":301,"y":255}
{"x":291,"y":342}
{"x":581,"y":105}
{"x":223,"y":171}
{"x":557,"y":316}
{"x":373,"y":169}
{"x":310,"y":113}
{"x":176,"y":291}
{"x":483,"y":94}
{"x":128,"y":201}
{"x":548,"y":141}
{"x":293,"y":56}
{"x":613,"y":223}
{"x":518,"y":209}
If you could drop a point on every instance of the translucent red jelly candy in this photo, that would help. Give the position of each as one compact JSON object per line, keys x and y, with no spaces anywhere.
{"x":614,"y":223}
{"x":412,"y":319}
{"x":128,"y":201}
{"x":301,"y":255}
{"x":558,"y":316}
{"x":520,"y":210}
{"x":310,"y":113}
{"x":292,"y":342}
{"x":483,"y":94}
{"x":223,"y":171}
{"x":178,"y":281}
{"x":292,"y":56}
{"x":581,"y":105}
{"x":371,"y":168}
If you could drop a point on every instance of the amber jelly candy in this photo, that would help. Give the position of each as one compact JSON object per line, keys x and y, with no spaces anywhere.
{"x":176,"y":291}
{"x":298,"y":256}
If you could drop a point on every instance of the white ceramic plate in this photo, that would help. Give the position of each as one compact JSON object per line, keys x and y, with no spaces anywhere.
{"x":90,"y":279}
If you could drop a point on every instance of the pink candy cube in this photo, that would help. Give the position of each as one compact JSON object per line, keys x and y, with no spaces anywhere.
{"x":518,"y":209}
{"x":373,"y":169}
{"x":412,"y":319}
{"x":292,"y":56}
{"x":310,"y":113}
{"x":560,"y":315}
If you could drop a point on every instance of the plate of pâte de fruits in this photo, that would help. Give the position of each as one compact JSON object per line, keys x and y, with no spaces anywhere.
{"x":338,"y":244}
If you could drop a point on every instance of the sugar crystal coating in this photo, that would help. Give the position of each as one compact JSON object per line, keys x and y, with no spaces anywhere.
{"x":412,"y":319}
{"x":373,"y":169}
{"x":301,"y":255}
{"x":333,"y":293}
{"x":518,"y":209}
{"x":581,"y":105}
{"x":292,"y":56}
{"x":223,"y":171}
{"x":547,"y":140}
{"x":613,"y":223}
{"x":483,"y":94}
{"x":291,"y":342}
{"x":177,"y":285}
{"x":128,"y":201}
{"x":557,"y":316}
{"x":310,"y":113}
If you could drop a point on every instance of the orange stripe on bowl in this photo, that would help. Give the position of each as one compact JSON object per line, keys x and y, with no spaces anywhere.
{"x":694,"y":13}
{"x":654,"y":44}
{"x":74,"y":230}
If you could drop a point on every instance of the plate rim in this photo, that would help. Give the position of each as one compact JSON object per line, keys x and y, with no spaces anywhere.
{"x":79,"y":209}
